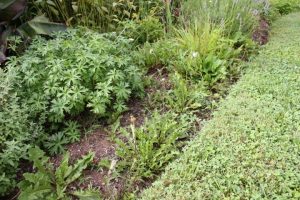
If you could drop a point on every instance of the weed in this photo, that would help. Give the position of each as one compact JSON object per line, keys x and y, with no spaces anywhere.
{"x":183,"y":96}
{"x":149,"y":148}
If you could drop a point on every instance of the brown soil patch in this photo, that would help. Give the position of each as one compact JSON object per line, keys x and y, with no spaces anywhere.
{"x":136,"y":110}
{"x":109,"y":189}
{"x":97,"y":142}
{"x":136,"y":107}
{"x":161,"y":77}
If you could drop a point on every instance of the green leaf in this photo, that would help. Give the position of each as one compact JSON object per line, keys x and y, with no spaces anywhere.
{"x":39,"y":159}
{"x":79,"y":167}
{"x":87,"y":195}
{"x":40,"y":26}
{"x":62,"y":172}
{"x":35,"y":186}
{"x":36,"y":194}
{"x":56,"y":143}
{"x":5,"y":3}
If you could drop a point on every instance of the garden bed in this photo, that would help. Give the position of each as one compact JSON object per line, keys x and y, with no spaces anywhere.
{"x":89,"y":113}
{"x":250,"y":149}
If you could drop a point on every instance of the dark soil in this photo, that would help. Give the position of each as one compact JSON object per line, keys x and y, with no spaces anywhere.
{"x":161,"y":77}
{"x":136,"y":110}
{"x":97,"y":142}
{"x":100,"y":143}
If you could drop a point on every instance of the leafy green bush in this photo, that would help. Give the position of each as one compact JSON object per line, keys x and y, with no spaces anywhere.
{"x":205,"y":53}
{"x":48,"y":183}
{"x":149,"y":29}
{"x":161,"y":52}
{"x":17,"y":131}
{"x":284,"y":7}
{"x":75,"y":71}
{"x":199,"y":52}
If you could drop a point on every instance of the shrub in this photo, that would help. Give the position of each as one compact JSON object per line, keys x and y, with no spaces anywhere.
{"x":75,"y":71}
{"x":284,"y":7}
{"x":183,"y":96}
{"x":149,"y":30}
{"x":161,"y":52}
{"x":201,"y":52}
{"x":16,"y":131}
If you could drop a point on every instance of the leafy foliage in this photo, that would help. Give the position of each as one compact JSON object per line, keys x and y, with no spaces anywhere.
{"x":183,"y":96}
{"x":55,"y":143}
{"x":284,"y":7}
{"x":199,"y":52}
{"x":149,"y":148}
{"x":250,"y":149}
{"x":17,"y":131}
{"x":234,"y":16}
{"x":161,"y":52}
{"x":57,"y":80}
{"x":47,"y":183}
{"x":205,"y":52}
{"x":88,"y":194}
{"x":149,"y":29}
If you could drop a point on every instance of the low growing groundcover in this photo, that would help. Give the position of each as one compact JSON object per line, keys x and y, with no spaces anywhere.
{"x":251,"y":147}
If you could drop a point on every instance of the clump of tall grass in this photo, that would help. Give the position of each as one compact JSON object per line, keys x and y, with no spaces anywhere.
{"x":233,"y":15}
{"x":199,"y":37}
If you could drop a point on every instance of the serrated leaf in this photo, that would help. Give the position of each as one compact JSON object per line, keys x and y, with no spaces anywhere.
{"x":78,"y":167}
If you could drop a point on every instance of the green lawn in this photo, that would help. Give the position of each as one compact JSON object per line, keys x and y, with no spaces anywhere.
{"x":251,"y":147}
